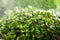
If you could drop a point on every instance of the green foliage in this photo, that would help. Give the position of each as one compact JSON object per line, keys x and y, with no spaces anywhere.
{"x":29,"y":24}
{"x":57,"y":2}
{"x":42,"y":4}
{"x":47,"y":4}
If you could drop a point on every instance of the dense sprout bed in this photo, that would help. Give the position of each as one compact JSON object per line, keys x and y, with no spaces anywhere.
{"x":29,"y":24}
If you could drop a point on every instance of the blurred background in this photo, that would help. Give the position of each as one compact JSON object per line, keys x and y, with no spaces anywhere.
{"x":40,"y":4}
